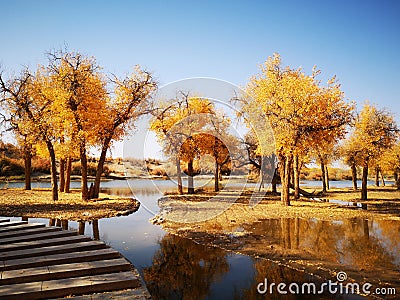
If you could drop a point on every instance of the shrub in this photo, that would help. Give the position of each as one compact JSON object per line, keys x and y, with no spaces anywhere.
{"x":10,"y":167}
{"x":41,"y":165}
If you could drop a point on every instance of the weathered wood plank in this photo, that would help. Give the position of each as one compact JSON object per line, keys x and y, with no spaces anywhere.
{"x":82,"y":246}
{"x":20,"y":227}
{"x":69,"y":286}
{"x":44,"y":243}
{"x":49,"y":260}
{"x":98,"y":283}
{"x":62,"y":271}
{"x":12,"y":223}
{"x":24,"y":232}
{"x":39,"y":236}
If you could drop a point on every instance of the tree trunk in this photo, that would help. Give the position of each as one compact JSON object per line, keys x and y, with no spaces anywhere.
{"x":383,"y":179}
{"x":216,"y":176}
{"x":100,"y":166}
{"x":323,"y":176}
{"x":354,"y":175}
{"x":84,"y":172}
{"x":54,"y":187}
{"x":327,"y":177}
{"x":190,"y":177}
{"x":296,"y":177}
{"x":68,"y":175}
{"x":96,"y":232}
{"x":179,"y":175}
{"x":397,"y":179}
{"x":364,"y":188}
{"x":62,"y":175}
{"x":275,"y":180}
{"x":285,"y":194}
{"x":28,"y":166}
{"x":377,"y":176}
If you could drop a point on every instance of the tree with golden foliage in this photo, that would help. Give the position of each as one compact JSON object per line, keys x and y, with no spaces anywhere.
{"x":175,"y":123}
{"x":31,"y":111}
{"x":374,"y":132}
{"x":300,"y":111}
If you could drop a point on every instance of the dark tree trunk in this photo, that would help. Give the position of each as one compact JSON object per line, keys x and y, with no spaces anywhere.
{"x":296,"y":177}
{"x":354,"y":175}
{"x":54,"y":186}
{"x":275,"y":180}
{"x":81,"y":227}
{"x":190,"y":177}
{"x":364,"y":187}
{"x":323,"y":176}
{"x":100,"y":167}
{"x":84,"y":172}
{"x":62,"y":175}
{"x":216,"y":176}
{"x":285,"y":194}
{"x":96,"y":232}
{"x":68,"y":175}
{"x":327,"y":177}
{"x":28,"y":166}
{"x":179,"y":175}
{"x":377,"y":176}
{"x":383,"y":179}
{"x":397,"y":179}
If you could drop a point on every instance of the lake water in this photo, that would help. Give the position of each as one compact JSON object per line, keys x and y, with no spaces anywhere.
{"x":178,"y":268}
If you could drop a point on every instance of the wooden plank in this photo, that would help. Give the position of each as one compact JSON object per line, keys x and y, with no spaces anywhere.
{"x":12,"y":223}
{"x":62,"y":271}
{"x":69,"y":286}
{"x":39,"y":236}
{"x":92,"y":284}
{"x":20,"y":227}
{"x":76,"y":247}
{"x":43,"y":243}
{"x":24,"y":232}
{"x":49,"y":260}
{"x":31,"y":290}
{"x":4,"y":220}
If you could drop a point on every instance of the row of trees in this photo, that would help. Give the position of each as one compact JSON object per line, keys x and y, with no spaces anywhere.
{"x":69,"y":105}
{"x":309,"y":122}
{"x":189,"y":128}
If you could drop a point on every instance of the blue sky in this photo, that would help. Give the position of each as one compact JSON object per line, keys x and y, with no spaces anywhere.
{"x":359,"y":41}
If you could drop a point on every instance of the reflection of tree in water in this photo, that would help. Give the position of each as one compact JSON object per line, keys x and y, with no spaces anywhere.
{"x":184,"y":270}
{"x":369,"y":249}
{"x":274,"y":273}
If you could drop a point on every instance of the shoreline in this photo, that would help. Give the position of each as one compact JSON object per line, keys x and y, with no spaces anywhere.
{"x":37,"y":203}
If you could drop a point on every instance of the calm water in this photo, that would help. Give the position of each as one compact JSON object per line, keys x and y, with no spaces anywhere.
{"x":177,"y":268}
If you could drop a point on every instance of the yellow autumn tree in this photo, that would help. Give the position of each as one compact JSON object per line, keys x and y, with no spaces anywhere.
{"x":175,"y":123}
{"x":31,"y":111}
{"x":374,"y":132}
{"x":79,"y":91}
{"x":300,"y":111}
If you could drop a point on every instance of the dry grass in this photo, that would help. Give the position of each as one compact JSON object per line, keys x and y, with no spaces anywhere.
{"x":37,"y":203}
{"x":199,"y":213}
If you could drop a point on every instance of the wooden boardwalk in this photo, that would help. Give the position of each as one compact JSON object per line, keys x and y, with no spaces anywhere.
{"x":39,"y":262}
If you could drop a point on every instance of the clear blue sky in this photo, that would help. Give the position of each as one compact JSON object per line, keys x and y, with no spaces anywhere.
{"x":359,"y":41}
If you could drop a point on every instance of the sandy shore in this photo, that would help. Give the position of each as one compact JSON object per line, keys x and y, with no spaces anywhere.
{"x":37,"y":203}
